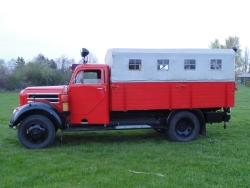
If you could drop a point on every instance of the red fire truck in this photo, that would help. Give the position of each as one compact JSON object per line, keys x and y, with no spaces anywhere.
{"x":173,"y":91}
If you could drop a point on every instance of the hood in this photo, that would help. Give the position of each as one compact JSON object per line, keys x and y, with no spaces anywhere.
{"x":49,"y":94}
{"x":46,"y":89}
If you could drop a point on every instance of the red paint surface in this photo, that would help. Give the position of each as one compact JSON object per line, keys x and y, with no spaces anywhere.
{"x":90,"y":102}
{"x":171,"y":95}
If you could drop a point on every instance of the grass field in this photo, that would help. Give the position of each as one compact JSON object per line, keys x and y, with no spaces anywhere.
{"x":140,"y":158}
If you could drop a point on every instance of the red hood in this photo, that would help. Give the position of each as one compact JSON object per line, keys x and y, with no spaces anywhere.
{"x":45,"y":89}
{"x":50,"y":94}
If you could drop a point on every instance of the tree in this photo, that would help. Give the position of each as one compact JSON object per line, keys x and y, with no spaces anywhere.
{"x":13,"y":82}
{"x":231,"y":42}
{"x":215,"y":45}
{"x":239,"y":62}
{"x":43,"y":61}
{"x":11,"y":65}
{"x":92,"y":58}
{"x":19,"y":61}
{"x":2,"y":63}
{"x":3,"y":74}
{"x":63,"y":64}
{"x":246,"y":60}
{"x":32,"y":74}
{"x":51,"y":76}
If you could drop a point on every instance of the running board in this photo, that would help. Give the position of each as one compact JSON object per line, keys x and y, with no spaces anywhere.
{"x":105,"y":127}
{"x":132,"y":122}
{"x":122,"y":127}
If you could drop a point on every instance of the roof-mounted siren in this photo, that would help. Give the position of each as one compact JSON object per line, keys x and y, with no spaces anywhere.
{"x":235,"y":49}
{"x":84,"y":54}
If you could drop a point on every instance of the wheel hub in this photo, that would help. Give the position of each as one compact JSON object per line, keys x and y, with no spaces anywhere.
{"x":36,"y":133}
{"x":183,"y":128}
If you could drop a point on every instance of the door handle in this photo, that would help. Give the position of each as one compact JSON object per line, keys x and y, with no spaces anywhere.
{"x":100,"y":88}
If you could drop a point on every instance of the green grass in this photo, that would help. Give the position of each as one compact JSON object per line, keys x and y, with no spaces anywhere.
{"x":111,"y":158}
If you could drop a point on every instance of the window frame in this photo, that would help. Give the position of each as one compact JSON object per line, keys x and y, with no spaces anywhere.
{"x":216,"y":64}
{"x":97,"y":76}
{"x":164,"y":63}
{"x":189,"y":64}
{"x":134,"y":64}
{"x":85,"y":77}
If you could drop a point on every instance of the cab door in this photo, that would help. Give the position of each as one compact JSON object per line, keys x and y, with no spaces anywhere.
{"x":88,"y":97}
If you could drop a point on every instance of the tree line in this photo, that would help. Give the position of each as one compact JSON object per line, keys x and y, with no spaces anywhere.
{"x":41,"y":71}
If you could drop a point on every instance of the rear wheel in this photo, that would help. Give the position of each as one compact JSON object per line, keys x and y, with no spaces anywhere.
{"x":36,"y":132}
{"x":184,"y":126}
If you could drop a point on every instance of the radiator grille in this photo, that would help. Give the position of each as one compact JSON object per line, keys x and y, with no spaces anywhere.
{"x":53,"y":98}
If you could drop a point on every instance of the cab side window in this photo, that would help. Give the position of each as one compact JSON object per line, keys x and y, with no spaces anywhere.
{"x":92,"y":77}
{"x":79,"y":78}
{"x":88,"y":77}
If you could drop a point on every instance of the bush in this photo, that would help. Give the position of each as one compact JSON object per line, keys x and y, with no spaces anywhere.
{"x":247,"y":83}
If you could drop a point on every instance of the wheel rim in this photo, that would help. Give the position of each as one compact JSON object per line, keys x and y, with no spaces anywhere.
{"x":184,"y":127}
{"x":36,"y":133}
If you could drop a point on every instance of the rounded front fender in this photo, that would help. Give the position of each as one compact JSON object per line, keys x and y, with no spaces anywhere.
{"x":40,"y":108}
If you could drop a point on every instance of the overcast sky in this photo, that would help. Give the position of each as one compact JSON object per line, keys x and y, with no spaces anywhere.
{"x":63,"y":27}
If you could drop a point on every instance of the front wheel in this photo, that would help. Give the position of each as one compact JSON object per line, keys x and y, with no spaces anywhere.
{"x":183,"y":127}
{"x":36,"y":132}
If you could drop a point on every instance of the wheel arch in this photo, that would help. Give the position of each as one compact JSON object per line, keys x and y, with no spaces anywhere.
{"x":171,"y":114}
{"x":201,"y":119}
{"x":38,"y":108}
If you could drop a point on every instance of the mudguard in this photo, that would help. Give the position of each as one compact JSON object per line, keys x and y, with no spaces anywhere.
{"x":40,"y":108}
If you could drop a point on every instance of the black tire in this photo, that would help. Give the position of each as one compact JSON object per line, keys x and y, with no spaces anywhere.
{"x":184,"y":127}
{"x":36,"y":132}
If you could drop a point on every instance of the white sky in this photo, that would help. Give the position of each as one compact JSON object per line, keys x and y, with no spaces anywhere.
{"x":63,"y":27}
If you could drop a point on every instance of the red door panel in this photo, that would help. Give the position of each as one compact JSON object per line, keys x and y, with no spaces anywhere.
{"x":89,"y":99}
